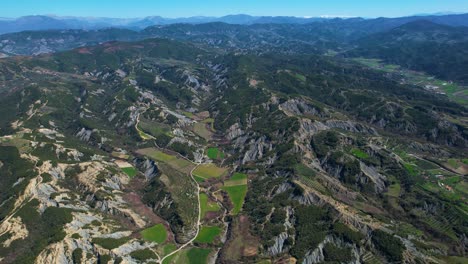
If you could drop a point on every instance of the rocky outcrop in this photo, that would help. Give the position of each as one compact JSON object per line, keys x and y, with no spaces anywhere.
{"x":300,"y":107}
{"x":316,"y":255}
{"x":15,"y":228}
{"x":377,"y":178}
{"x":84,"y":134}
{"x":234,"y":131}
{"x":312,"y":127}
{"x":257,"y":149}
{"x":147,"y":166}
{"x":278,"y":245}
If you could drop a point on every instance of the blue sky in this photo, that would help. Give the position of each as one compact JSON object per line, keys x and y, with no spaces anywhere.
{"x":184,"y":8}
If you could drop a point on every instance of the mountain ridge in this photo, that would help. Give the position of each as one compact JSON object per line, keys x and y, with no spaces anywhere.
{"x":44,"y":22}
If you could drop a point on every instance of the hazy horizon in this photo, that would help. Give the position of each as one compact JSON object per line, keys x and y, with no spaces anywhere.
{"x":219,"y":8}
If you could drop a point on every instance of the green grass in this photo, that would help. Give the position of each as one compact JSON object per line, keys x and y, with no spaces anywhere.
{"x":143,"y":135}
{"x":198,"y":179}
{"x":168,"y":249}
{"x":411,"y":169}
{"x":207,"y":206}
{"x":110,"y":243}
{"x":156,"y":233}
{"x":177,"y":163}
{"x":237,"y":195}
{"x":130,"y":171}
{"x":214,"y":153}
{"x":188,"y":114}
{"x":155,"y":129}
{"x":236,"y":179}
{"x":238,"y":176}
{"x":442,"y":192}
{"x":236,"y":188}
{"x":208,"y":234}
{"x":359,"y":154}
{"x":198,"y":255}
{"x":301,"y":77}
{"x":209,"y":171}
{"x":452,"y":180}
{"x":161,"y":156}
{"x":453,"y":91}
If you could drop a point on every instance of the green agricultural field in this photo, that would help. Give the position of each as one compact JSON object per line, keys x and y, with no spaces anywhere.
{"x":157,"y":233}
{"x":207,"y":171}
{"x":157,"y":154}
{"x":237,"y":195}
{"x":208,"y":234}
{"x":454,"y":92}
{"x":198,"y":179}
{"x":207,"y":206}
{"x":175,"y":162}
{"x":236,"y":188}
{"x":359,"y":154}
{"x":190,"y":256}
{"x":238,"y":176}
{"x":168,"y":249}
{"x":452,"y":180}
{"x":154,"y":128}
{"x":214,"y":153}
{"x":198,"y":255}
{"x":143,"y":135}
{"x":236,"y":179}
{"x":130,"y":171}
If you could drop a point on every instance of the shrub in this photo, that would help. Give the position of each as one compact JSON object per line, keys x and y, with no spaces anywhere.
{"x":391,"y":246}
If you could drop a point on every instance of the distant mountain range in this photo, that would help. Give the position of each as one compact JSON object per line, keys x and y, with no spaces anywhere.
{"x":41,"y":22}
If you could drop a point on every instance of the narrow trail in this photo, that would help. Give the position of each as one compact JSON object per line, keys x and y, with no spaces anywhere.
{"x":161,"y":260}
{"x":140,"y":132}
{"x":199,"y":213}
